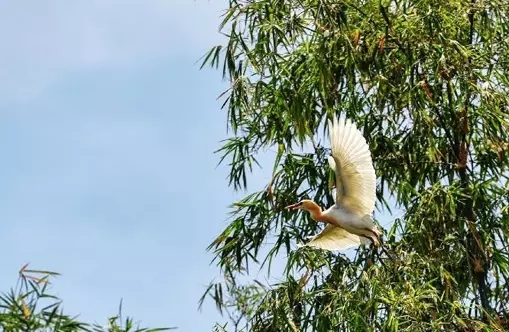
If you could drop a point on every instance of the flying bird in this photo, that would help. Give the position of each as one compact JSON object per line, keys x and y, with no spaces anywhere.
{"x":349,"y":221}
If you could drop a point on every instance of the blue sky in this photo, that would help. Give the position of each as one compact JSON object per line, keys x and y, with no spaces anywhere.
{"x":107,"y":133}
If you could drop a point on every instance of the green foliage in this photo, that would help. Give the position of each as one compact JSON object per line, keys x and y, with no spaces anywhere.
{"x":427,"y":82}
{"x":30,"y":307}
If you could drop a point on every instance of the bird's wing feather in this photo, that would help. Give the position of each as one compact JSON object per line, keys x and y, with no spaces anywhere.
{"x":351,"y":161}
{"x":335,"y":238}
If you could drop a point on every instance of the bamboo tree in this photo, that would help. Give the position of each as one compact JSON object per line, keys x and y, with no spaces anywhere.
{"x":31,"y":307}
{"x":427,"y":81}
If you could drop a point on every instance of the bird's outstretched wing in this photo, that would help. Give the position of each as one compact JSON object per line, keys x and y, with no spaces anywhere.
{"x":351,"y":161}
{"x":335,"y":238}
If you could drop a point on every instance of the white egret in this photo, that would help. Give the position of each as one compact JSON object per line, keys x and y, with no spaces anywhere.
{"x":349,"y":221}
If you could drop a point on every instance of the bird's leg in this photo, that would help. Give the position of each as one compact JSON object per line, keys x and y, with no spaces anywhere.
{"x":387,"y":252}
{"x":373,"y":242}
{"x":379,"y":238}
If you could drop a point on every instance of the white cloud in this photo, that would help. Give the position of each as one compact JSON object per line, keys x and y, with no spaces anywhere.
{"x":44,"y":39}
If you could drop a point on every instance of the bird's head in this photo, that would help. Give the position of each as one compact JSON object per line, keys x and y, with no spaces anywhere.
{"x":305,"y":204}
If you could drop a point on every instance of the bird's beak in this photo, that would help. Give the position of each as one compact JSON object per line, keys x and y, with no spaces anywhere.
{"x":294,"y":206}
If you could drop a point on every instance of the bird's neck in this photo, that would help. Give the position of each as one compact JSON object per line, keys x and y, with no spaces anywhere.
{"x":317,"y":214}
{"x":315,"y":211}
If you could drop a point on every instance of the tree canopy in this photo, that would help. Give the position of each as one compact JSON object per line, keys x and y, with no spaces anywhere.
{"x":30,"y":306}
{"x":427,"y":82}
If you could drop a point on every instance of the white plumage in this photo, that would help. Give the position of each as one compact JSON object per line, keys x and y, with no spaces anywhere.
{"x":351,"y":161}
{"x":349,"y":219}
{"x":334,"y":238}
